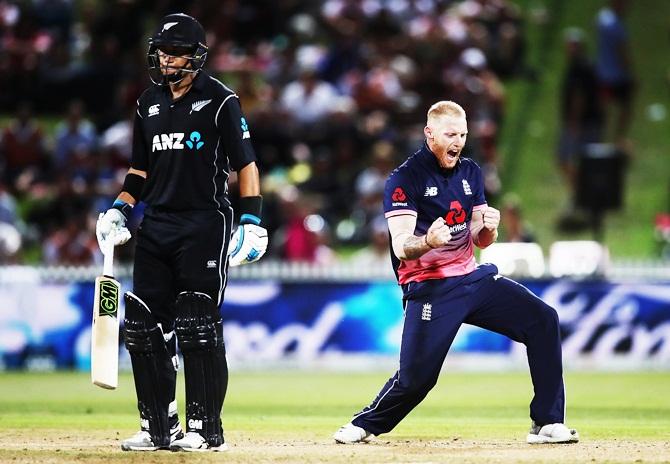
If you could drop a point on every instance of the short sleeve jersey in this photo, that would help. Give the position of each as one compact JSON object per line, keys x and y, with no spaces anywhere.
{"x":612,"y":36}
{"x":188,"y":146}
{"x":420,"y":187}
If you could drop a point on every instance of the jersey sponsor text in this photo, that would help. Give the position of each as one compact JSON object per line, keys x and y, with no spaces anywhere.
{"x":167,"y":141}
{"x":458,"y":228}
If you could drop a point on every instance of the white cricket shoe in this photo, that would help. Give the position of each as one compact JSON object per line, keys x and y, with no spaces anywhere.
{"x":350,"y":433}
{"x":193,"y":441}
{"x":551,"y":433}
{"x":141,"y":441}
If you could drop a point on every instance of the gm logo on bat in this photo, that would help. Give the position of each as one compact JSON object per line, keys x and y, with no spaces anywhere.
{"x":109,"y":298}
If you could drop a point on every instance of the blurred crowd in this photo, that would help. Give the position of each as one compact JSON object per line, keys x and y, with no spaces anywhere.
{"x":335,"y":93}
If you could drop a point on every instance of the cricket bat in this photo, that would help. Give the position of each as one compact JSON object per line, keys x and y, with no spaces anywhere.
{"x":105,"y":331}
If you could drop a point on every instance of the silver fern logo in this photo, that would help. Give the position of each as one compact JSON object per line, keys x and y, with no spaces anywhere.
{"x":200,"y":104}
{"x":167,"y":26}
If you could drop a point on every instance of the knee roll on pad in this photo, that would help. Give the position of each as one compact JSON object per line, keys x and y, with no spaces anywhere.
{"x":200,"y":333}
{"x":198,"y":322}
{"x":154,"y":371}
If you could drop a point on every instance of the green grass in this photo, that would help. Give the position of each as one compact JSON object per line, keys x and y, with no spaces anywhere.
{"x":530,"y":133}
{"x":469,"y":405}
{"x":289,"y":416}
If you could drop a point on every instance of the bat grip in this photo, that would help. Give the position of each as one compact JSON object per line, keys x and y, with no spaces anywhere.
{"x":108,"y":259}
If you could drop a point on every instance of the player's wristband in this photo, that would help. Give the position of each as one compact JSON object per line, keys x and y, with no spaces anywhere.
{"x":251,"y":208}
{"x":133,"y":185}
{"x":124,"y":207}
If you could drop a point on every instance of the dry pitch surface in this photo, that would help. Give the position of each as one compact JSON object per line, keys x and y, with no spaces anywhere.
{"x":59,"y":447}
{"x":290,"y":417}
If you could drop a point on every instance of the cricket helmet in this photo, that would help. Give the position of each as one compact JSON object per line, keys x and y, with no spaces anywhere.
{"x":177,"y":35}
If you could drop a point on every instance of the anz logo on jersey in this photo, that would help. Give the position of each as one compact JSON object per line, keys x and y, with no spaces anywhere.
{"x":174,"y":141}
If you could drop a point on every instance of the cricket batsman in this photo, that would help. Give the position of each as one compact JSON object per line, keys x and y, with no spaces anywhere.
{"x":189,"y":132}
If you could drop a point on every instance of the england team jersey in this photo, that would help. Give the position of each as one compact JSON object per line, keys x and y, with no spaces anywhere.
{"x":422,"y":188}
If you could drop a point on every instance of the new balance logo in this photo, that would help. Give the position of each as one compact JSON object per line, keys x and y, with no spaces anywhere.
{"x":197,"y":106}
{"x":154,"y":109}
{"x":466,"y":187}
{"x":496,"y":277}
{"x":430,"y":192}
{"x":426,"y":312}
{"x":195,"y":424}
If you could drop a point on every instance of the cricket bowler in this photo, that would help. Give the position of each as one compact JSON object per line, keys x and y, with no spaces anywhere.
{"x":436,"y":212}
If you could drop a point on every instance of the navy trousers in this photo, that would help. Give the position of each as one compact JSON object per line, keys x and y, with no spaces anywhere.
{"x":435,"y":309}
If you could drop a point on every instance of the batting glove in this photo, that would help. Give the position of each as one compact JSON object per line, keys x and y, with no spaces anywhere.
{"x":248,"y":244}
{"x":111,"y":226}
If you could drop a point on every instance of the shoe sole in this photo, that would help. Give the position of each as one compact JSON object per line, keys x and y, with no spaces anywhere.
{"x":139,"y":448}
{"x":345,"y":442}
{"x":342,"y":442}
{"x":214,"y":449}
{"x":533,"y":439}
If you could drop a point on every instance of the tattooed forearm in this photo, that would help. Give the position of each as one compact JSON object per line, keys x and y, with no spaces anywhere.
{"x":415,"y":247}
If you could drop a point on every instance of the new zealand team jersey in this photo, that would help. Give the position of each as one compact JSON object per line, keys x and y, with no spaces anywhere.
{"x":188,"y":146}
{"x":422,"y":188}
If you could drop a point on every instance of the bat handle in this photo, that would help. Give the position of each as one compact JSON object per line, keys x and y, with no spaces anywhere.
{"x":108,"y":259}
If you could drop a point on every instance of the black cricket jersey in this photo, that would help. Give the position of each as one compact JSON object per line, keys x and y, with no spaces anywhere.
{"x":188,"y":146}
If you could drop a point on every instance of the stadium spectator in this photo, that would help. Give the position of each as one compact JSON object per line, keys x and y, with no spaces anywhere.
{"x":581,"y":113}
{"x":614,"y":66}
{"x":304,"y":235}
{"x":74,"y":135}
{"x":10,"y":226}
{"x":73,"y":244}
{"x":308,"y":100}
{"x":473,"y":83}
{"x":370,"y":188}
{"x":514,"y":227}
{"x":375,"y":255}
{"x":22,"y":147}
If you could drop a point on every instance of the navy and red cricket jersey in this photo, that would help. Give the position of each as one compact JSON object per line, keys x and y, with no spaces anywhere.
{"x":422,"y":188}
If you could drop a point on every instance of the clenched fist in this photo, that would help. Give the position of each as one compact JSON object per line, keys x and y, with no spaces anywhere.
{"x":491,"y":218}
{"x":438,"y":234}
